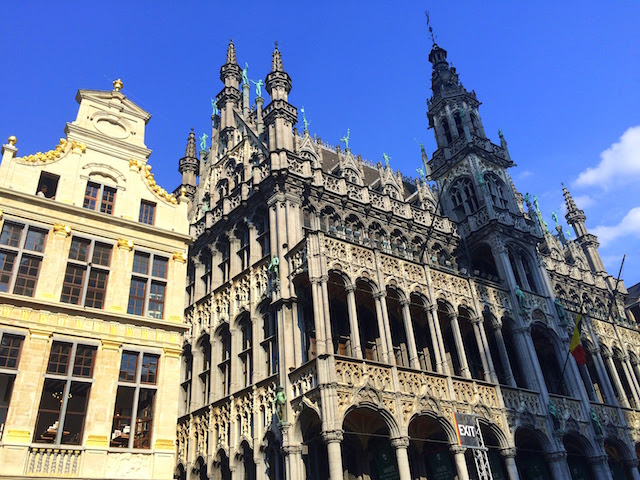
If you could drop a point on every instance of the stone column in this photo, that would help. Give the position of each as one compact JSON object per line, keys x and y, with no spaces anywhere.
{"x":436,"y":338}
{"x":632,"y":465}
{"x":353,"y":321}
{"x":411,"y":340}
{"x":483,"y":348}
{"x":633,"y":384}
{"x":386,"y":332}
{"x":615,"y":380}
{"x":333,"y":439}
{"x":292,"y":461}
{"x":509,"y":456}
{"x":327,"y":314}
{"x":460,"y":462}
{"x":383,"y":357}
{"x":557,"y":462}
{"x":600,"y":467}
{"x":636,"y":371}
{"x":457,"y":337}
{"x":605,"y":381}
{"x":527,"y":356}
{"x":504,"y":356}
{"x":401,"y":444}
{"x":318,"y":316}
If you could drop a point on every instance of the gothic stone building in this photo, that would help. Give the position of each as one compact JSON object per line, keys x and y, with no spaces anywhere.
{"x":342,"y":315}
{"x":92,"y":273}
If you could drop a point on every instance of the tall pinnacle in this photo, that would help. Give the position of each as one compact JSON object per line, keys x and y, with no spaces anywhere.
{"x":191,"y":146}
{"x":276,"y":62}
{"x":231,"y":53}
{"x":569,"y":202}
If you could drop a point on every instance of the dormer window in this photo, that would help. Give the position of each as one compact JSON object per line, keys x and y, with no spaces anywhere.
{"x":99,"y":197}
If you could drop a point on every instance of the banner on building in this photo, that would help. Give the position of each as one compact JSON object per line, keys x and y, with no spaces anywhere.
{"x":467,"y":430}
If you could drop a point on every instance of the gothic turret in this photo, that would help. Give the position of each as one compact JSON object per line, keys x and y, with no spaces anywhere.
{"x":229,"y":98}
{"x":279,"y":116}
{"x":589,"y":242}
{"x":188,"y":166}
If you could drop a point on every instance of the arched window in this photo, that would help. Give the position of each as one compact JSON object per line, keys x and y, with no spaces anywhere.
{"x":262,"y":229}
{"x":270,"y":342}
{"x":191,"y":281}
{"x":224,"y":265}
{"x":245,"y":354}
{"x":224,"y":365}
{"x":205,"y":371}
{"x":458,"y":119}
{"x":497,"y":190}
{"x":548,"y":360}
{"x":187,"y":371}
{"x":529,"y":273}
{"x":242,"y":234}
{"x":475,"y":123}
{"x":446,"y":130}
{"x":206,"y":259}
{"x":463,"y":197}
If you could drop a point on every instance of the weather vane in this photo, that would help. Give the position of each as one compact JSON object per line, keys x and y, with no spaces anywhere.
{"x":433,"y":38}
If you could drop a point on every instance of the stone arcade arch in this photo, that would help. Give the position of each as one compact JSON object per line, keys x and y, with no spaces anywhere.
{"x":578,"y":452}
{"x":371,"y":336}
{"x":430,"y":441}
{"x":531,"y":449}
{"x":401,"y":348}
{"x":422,"y":333}
{"x":314,"y":457}
{"x":339,"y":315}
{"x":550,"y":364}
{"x":618,"y":458}
{"x":366,"y":446}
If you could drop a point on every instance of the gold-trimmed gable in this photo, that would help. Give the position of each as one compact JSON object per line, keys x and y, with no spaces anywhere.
{"x":62,"y":149}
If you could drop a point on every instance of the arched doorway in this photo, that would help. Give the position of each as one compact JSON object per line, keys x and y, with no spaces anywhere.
{"x":530,"y":458}
{"x":180,"y":473}
{"x":221,"y":469}
{"x":366,"y":447}
{"x":429,"y":449}
{"x":577,"y":459}
{"x":616,"y":453}
{"x":493,"y":446}
{"x":314,"y":456}
{"x":246,"y":462}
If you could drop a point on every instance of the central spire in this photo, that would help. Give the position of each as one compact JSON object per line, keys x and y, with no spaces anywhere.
{"x":278,"y":82}
{"x":276,"y":61}
{"x":231,"y":53}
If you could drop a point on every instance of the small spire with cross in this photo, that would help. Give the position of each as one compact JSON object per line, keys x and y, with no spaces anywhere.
{"x":433,"y":38}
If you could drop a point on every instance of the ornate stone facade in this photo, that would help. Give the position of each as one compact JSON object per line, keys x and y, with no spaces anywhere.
{"x":93,"y":272}
{"x":341,"y":314}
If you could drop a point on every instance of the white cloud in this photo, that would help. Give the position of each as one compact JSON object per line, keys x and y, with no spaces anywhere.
{"x":628,"y":226}
{"x":619,"y":164}
{"x":583,"y":201}
{"x":524,"y":174}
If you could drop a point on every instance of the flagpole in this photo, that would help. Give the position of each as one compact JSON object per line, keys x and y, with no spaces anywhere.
{"x":566,"y":360}
{"x":615,"y":289}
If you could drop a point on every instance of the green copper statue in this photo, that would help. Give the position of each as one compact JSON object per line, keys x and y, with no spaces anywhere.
{"x":279,"y":403}
{"x":245,"y":80}
{"x":422,"y":150}
{"x":554,"y":215}
{"x":386,"y":158}
{"x":203,"y":141}
{"x":522,"y":300}
{"x":258,"y":85}
{"x":345,"y":139}
{"x":535,"y":202}
{"x":527,"y":197}
{"x":421,"y":174}
{"x":214,"y":106}
{"x":304,"y":120}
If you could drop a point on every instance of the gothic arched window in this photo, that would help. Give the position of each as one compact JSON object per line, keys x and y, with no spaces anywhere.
{"x":464,"y":199}
{"x":497,"y":190}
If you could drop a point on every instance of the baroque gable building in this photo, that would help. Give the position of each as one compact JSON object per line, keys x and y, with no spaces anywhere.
{"x":345,"y":319}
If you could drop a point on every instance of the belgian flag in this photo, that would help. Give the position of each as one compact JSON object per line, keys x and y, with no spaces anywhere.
{"x":575,"y":348}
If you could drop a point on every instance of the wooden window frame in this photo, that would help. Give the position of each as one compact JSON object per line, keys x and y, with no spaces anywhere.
{"x":150,"y":281}
{"x":147,"y":212}
{"x":18,"y":251}
{"x":88,"y":267}
{"x":9,"y":371}
{"x":104,"y":199}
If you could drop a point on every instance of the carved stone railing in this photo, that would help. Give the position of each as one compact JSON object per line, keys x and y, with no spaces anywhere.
{"x":609,"y":415}
{"x":568,"y":407}
{"x":54,"y":462}
{"x":521,"y":400}
{"x":470,"y":392}
{"x":304,"y":379}
{"x":420,"y":383}
{"x":355,"y":373}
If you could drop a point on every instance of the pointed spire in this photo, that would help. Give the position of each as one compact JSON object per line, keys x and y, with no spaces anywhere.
{"x":231,"y":53}
{"x":191,"y":145}
{"x":569,"y":202}
{"x":276,"y":61}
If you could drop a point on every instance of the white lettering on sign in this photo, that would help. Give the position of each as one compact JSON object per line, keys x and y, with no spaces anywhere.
{"x":467,"y":430}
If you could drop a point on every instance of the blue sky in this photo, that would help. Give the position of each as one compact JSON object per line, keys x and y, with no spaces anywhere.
{"x":562,"y":79}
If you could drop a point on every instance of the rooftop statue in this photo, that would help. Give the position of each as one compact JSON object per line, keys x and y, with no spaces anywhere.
{"x":304,"y":119}
{"x":345,"y":139}
{"x":535,"y":202}
{"x":522,"y":300}
{"x":258,"y":85}
{"x":554,"y":215}
{"x":214,"y":106}
{"x":527,"y":197}
{"x":203,"y":141}
{"x":245,"y":80}
{"x":386,"y":158}
{"x":421,"y":174}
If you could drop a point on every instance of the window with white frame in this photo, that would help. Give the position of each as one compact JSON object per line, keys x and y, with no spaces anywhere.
{"x":148,"y":285}
{"x":135,"y":400}
{"x":85,"y":279}
{"x":99,"y":197}
{"x":65,"y":394}
{"x":21,"y":253}
{"x":10,"y":346}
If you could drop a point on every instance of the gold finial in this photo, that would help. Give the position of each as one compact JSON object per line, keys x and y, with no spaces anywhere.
{"x":117,"y":85}
{"x":12,"y":140}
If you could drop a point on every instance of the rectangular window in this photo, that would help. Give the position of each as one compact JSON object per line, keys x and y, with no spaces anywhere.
{"x":99,"y":197}
{"x":147,"y":289}
{"x":134,"y":404}
{"x":147,"y":212}
{"x":20,"y":258}
{"x":85,"y":279}
{"x":48,"y":185}
{"x":10,"y":346}
{"x":65,"y":395}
